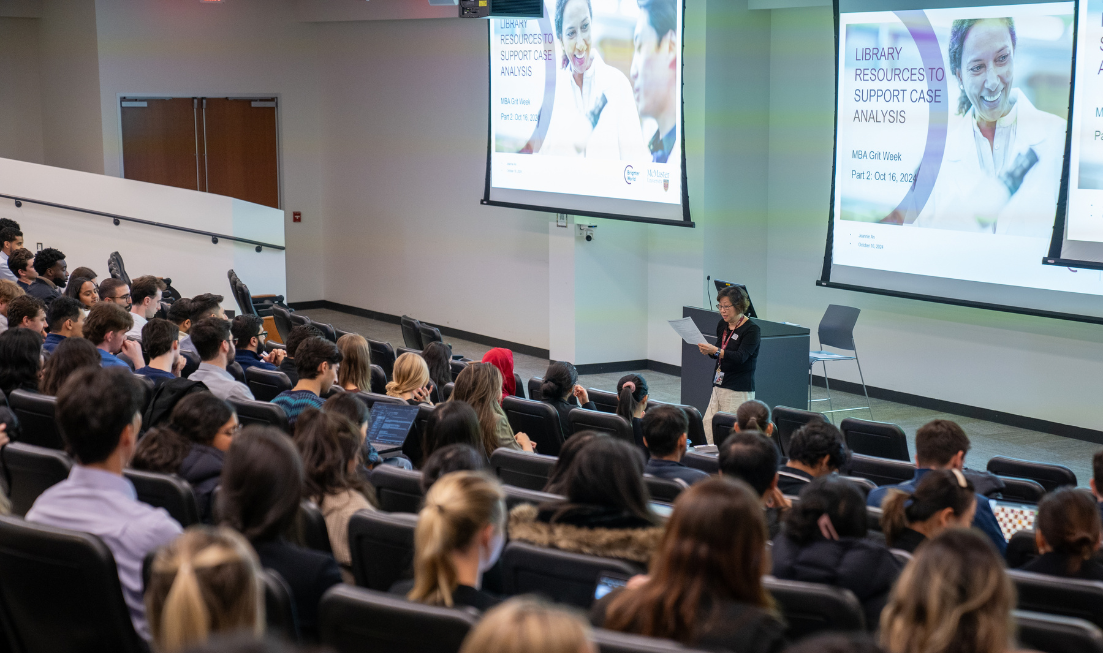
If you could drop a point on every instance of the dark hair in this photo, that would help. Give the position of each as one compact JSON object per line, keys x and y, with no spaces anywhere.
{"x":146,"y":286}
{"x":438,"y":358}
{"x":93,"y":407}
{"x":815,"y":440}
{"x":1069,"y":521}
{"x":661,"y":14}
{"x":836,"y":497}
{"x":750,"y":456}
{"x":208,"y":335}
{"x":179,"y":311}
{"x":628,"y":398}
{"x":958,"y":31}
{"x":312,"y":353}
{"x":350,"y":406}
{"x":451,"y":458}
{"x":737,"y":296}
{"x":69,"y":356}
{"x":158,"y":336}
{"x":8,"y":222}
{"x":109,"y":285}
{"x":9,"y":234}
{"x":197,"y":418}
{"x":327,"y":442}
{"x":205,"y":305}
{"x":837,"y":643}
{"x":662,"y":427}
{"x":752,"y":415}
{"x":262,"y":484}
{"x":18,"y":260}
{"x":21,"y":353}
{"x":106,"y":317}
{"x":161,"y":450}
{"x":87,"y":273}
{"x":46,"y":259}
{"x":244,"y":328}
{"x":608,"y":473}
{"x":936,"y":491}
{"x":938,"y":441}
{"x":73,"y":288}
{"x":560,"y":5}
{"x":299,"y":334}
{"x":559,"y":477}
{"x":559,"y":381}
{"x":452,"y":422}
{"x":24,"y":306}
{"x":1097,"y":469}
{"x":62,"y":309}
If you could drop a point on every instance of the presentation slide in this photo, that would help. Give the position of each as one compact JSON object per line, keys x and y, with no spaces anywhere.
{"x":586,"y":110}
{"x":1084,"y":220}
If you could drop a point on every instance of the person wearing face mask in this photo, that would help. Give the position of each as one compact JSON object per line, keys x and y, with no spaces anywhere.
{"x":460,"y":535}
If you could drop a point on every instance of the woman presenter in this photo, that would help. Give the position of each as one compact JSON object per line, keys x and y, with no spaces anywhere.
{"x":738,"y":337}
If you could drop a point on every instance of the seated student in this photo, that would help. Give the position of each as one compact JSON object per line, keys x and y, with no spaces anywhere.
{"x":559,"y":477}
{"x":664,"y":435}
{"x":942,"y":499}
{"x":355,"y":372}
{"x":8,"y":291}
{"x":115,"y":291}
{"x":502,"y":359}
{"x":353,"y":409}
{"x":823,"y":540}
{"x":179,"y":313}
{"x":751,"y":457}
{"x":530,"y":625}
{"x":262,"y":486}
{"x":954,"y":596}
{"x":82,"y":272}
{"x":99,"y":415}
{"x":11,"y":239}
{"x":205,"y":582}
{"x":410,"y":380}
{"x":942,"y":444}
{"x":1096,"y":481}
{"x":330,"y":446}
{"x":27,"y":312}
{"x":145,"y":301}
{"x":453,"y":422}
{"x":450,"y":458}
{"x":316,"y":360}
{"x":106,"y":327}
{"x":21,"y":353}
{"x":605,"y":511}
{"x":632,"y":393}
{"x":438,"y":358}
{"x":49,"y":264}
{"x":21,"y":264}
{"x":480,"y":384}
{"x":1067,"y":532}
{"x":191,"y":445}
{"x":249,"y":338}
{"x":294,"y":339}
{"x":704,"y":589}
{"x":211,"y":337}
{"x":560,"y":384}
{"x":83,"y":290}
{"x":69,"y":356}
{"x":66,"y":320}
{"x":754,"y":415}
{"x":163,"y":348}
{"x":460,"y":534}
{"x":816,"y":449}
{"x":203,"y":306}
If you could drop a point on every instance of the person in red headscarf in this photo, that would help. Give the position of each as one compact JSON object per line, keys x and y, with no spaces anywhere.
{"x":503,"y":360}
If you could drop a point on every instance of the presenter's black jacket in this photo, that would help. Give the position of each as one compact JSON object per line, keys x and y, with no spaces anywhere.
{"x":564,"y":409}
{"x":740,"y":356}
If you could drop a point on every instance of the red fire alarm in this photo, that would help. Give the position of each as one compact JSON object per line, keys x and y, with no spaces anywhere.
{"x":297,"y":216}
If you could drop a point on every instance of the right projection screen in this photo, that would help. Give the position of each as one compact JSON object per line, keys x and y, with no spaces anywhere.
{"x":951,"y":132}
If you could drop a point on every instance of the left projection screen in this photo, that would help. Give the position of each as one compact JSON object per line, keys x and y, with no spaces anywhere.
{"x":586,"y":111}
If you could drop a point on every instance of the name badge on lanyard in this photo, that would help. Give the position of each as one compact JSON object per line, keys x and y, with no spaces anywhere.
{"x":719,"y":378}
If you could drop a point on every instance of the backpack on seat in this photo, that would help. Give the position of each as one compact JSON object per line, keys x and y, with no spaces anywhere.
{"x":165,"y":398}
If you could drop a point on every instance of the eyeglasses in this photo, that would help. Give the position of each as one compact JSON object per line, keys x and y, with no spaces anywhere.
{"x":262,"y":334}
{"x":126,"y":297}
{"x":233,"y":430}
{"x":725,"y":307}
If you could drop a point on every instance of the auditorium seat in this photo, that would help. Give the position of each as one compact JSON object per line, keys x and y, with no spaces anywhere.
{"x":429,"y":334}
{"x":312,"y":527}
{"x":399,"y":351}
{"x":446,"y":391}
{"x":191,"y":362}
{"x":116,"y":268}
{"x":536,"y":419}
{"x":1022,"y":490}
{"x":279,"y":607}
{"x":723,"y":424}
{"x":382,"y":354}
{"x":592,"y":420}
{"x":260,"y":412}
{"x":606,"y":402}
{"x":61,"y":591}
{"x":282,"y":317}
{"x":864,"y":484}
{"x":559,"y":575}
{"x":369,"y":398}
{"x":521,"y":469}
{"x":611,"y":641}
{"x":411,"y":333}
{"x":266,"y":384}
{"x":1067,"y":597}
{"x":1022,"y":547}
{"x":298,"y":319}
{"x":167,"y":491}
{"x":378,"y":380}
{"x":696,"y":427}
{"x":810,"y":608}
{"x":708,"y":463}
{"x":455,"y":367}
{"x":328,"y":332}
{"x":881,"y":471}
{"x":30,"y":471}
{"x":515,"y":496}
{"x":381,"y":545}
{"x":878,"y":439}
{"x":534,"y":385}
{"x":789,"y":421}
{"x":398,"y":490}
{"x":354,"y":620}
{"x":36,"y":418}
{"x":1053,"y":634}
{"x":662,"y":489}
{"x":1049,"y":475}
{"x":235,"y":370}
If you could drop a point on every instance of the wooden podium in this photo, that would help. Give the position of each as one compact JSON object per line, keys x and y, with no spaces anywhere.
{"x":781,"y":375}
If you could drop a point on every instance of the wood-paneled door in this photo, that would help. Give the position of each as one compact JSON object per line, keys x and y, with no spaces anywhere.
{"x":161,"y":141}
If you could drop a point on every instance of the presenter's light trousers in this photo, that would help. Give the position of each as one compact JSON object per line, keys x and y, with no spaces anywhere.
{"x":723,"y":401}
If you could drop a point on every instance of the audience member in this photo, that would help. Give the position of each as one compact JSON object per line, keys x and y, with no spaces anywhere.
{"x":249,"y":340}
{"x":410,"y":380}
{"x":480,"y":384}
{"x":262,"y":485}
{"x":21,"y":265}
{"x":502,"y":359}
{"x":942,"y":444}
{"x":145,"y":298}
{"x":211,"y":338}
{"x":115,"y":291}
{"x":816,"y":449}
{"x":106,"y":327}
{"x":71,"y":355}
{"x":11,"y":239}
{"x":163,"y":348}
{"x":438,"y":358}
{"x":751,"y":457}
{"x":8,"y":291}
{"x":66,"y":320}
{"x":355,"y":372}
{"x":179,"y":313}
{"x":529,"y":625}
{"x":605,"y":511}
{"x":49,"y":264}
{"x":453,"y":422}
{"x":206,"y":582}
{"x":330,"y":447}
{"x":837,"y":643}
{"x":8,"y":222}
{"x":953,"y":597}
{"x":83,"y":290}
{"x":631,"y":404}
{"x":99,"y":415}
{"x":203,"y":306}
{"x":352,"y":408}
{"x":460,"y":534}
{"x":559,"y":477}
{"x":191,"y":445}
{"x":824,"y":541}
{"x":754,"y":415}
{"x":28,"y":312}
{"x":294,"y":339}
{"x":665,"y":434}
{"x":450,"y":458}
{"x":704,"y":588}
{"x":316,"y":360}
{"x":1067,"y":532}
{"x":942,"y":499}
{"x":21,"y":352}
{"x":559,"y":386}
{"x":82,"y":272}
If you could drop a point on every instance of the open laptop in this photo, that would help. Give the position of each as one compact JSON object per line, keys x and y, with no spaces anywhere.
{"x":390,"y":424}
{"x":1013,"y":517}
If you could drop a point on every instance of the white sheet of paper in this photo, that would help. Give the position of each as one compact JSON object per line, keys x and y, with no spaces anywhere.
{"x":688,"y":330}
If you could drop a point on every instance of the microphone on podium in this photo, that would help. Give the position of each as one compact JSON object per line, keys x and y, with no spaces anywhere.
{"x":708,"y":293}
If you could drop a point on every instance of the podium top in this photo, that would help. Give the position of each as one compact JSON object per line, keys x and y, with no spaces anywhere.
{"x":706,"y":320}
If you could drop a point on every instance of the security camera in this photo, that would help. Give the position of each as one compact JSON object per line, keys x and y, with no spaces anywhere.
{"x":587,"y":230}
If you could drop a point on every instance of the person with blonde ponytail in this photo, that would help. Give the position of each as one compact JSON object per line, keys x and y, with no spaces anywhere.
{"x":460,"y":534}
{"x":411,"y":380}
{"x":529,"y":625}
{"x":942,"y":499}
{"x":480,"y":384}
{"x":1067,"y":533}
{"x":205,"y":582}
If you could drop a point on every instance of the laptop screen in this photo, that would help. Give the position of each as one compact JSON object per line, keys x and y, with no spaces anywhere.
{"x":1013,"y":517}
{"x":390,"y":423}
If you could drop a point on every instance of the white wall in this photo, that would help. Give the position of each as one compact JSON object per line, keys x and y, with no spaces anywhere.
{"x":20,"y":91}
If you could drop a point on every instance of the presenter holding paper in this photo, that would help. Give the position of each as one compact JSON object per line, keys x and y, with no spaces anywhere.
{"x":738,"y":339}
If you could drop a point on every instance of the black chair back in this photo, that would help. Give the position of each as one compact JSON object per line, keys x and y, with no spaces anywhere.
{"x":864,"y":484}
{"x":723,"y":424}
{"x":282,"y":317}
{"x":1022,"y":490}
{"x":235,"y":370}
{"x":1050,"y":476}
{"x":518,"y":386}
{"x":36,"y":418}
{"x":878,"y":439}
{"x":411,"y":333}
{"x":1051,"y":634}
{"x":1022,"y":547}
{"x":536,"y":419}
{"x":810,"y":608}
{"x":429,"y":334}
{"x":370,"y":398}
{"x":520,"y":469}
{"x":279,"y":607}
{"x":327,"y":330}
{"x":515,"y":496}
{"x":381,"y":545}
{"x":167,"y":491}
{"x":788,"y":421}
{"x":881,"y":471}
{"x":1067,"y":597}
{"x":592,"y":420}
{"x":696,"y":426}
{"x":405,"y":350}
{"x":534,"y":388}
{"x":116,"y":269}
{"x":299,"y":319}
{"x":378,"y":380}
{"x":611,"y":641}
{"x":191,"y":362}
{"x":708,"y":463}
{"x":30,"y":471}
{"x":382,"y":354}
{"x":398,"y":490}
{"x":455,"y":367}
{"x":561,"y":576}
{"x":606,"y":402}
{"x":260,"y":412}
{"x":353,"y":620}
{"x":446,"y":391}
{"x":61,"y":591}
{"x":662,"y":489}
{"x":266,"y":384}
{"x":312,"y":527}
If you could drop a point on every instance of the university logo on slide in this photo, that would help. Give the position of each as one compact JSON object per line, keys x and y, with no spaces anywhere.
{"x":630,"y":174}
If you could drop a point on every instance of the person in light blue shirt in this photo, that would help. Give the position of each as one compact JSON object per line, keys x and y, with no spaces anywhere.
{"x":211,"y":337}
{"x":11,"y":239}
{"x":66,"y":320}
{"x":106,"y":326}
{"x":99,"y":415}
